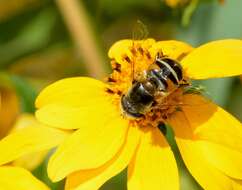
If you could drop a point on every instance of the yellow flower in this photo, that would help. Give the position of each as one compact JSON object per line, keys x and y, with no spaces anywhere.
{"x":104,"y":141}
{"x":16,"y":178}
{"x":25,"y":146}
{"x":32,"y":160}
{"x":12,"y":176}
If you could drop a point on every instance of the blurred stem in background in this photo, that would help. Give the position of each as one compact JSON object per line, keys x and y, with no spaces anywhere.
{"x":80,"y":29}
{"x":188,"y":12}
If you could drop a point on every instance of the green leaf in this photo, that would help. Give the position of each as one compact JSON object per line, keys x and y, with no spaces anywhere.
{"x":26,"y":93}
{"x":34,"y":36}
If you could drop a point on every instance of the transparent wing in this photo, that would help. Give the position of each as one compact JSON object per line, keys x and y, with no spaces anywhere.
{"x":140,"y":31}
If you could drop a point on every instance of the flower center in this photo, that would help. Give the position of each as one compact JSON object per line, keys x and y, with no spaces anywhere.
{"x":126,"y":77}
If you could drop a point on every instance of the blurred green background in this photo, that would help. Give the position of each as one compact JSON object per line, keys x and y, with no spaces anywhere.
{"x":42,"y":41}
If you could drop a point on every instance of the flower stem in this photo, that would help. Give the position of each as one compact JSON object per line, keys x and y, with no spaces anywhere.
{"x":188,"y":12}
{"x":82,"y":34}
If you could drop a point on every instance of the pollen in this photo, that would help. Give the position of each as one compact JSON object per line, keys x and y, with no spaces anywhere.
{"x":133,"y":64}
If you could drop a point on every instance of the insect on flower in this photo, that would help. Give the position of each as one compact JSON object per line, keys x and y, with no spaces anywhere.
{"x":153,"y":87}
{"x":106,"y":141}
{"x":114,"y":124}
{"x":150,"y":88}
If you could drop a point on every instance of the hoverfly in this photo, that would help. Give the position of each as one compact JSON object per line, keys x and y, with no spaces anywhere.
{"x":156,"y":81}
{"x":142,"y":94}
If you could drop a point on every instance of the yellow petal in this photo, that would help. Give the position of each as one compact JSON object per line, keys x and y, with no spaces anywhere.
{"x":206,"y":174}
{"x":120,"y":48}
{"x":24,"y":120}
{"x":220,"y":134}
{"x":65,"y":117}
{"x":15,"y":178}
{"x":223,"y":158}
{"x":28,"y":140}
{"x":171,"y":48}
{"x":94,"y":178}
{"x":123,"y":47}
{"x":75,"y":103}
{"x":31,"y":161}
{"x":154,"y":166}
{"x":210,"y":135}
{"x":76,"y":92}
{"x":237,"y":184}
{"x":222,"y":58}
{"x":88,"y":148}
{"x":210,"y":122}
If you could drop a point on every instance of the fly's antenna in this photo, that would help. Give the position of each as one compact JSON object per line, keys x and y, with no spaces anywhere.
{"x":139,"y":32}
{"x":133,"y":63}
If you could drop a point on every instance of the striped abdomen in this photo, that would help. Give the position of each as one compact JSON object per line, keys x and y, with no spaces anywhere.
{"x":165,"y":68}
